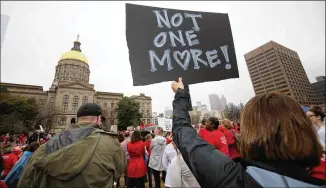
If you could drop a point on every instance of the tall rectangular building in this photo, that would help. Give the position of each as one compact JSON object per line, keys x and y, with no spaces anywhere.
{"x":319,"y":89}
{"x":273,"y":67}
{"x":213,"y":101}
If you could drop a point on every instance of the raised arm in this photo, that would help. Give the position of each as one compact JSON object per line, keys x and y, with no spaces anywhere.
{"x":210,"y":167}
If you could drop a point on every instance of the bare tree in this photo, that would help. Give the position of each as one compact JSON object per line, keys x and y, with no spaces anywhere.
{"x":195,"y":117}
{"x":207,"y":115}
{"x":48,"y":118}
{"x":232,"y":112}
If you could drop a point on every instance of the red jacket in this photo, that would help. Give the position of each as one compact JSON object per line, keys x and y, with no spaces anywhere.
{"x":9,"y":160}
{"x":217,"y":139}
{"x":320,"y":170}
{"x":234,"y":153}
{"x":136,"y":167}
{"x":203,"y":133}
{"x":3,"y":184}
{"x":148,"y":147}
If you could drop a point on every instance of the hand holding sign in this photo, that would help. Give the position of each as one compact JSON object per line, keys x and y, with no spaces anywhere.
{"x":175,"y":85}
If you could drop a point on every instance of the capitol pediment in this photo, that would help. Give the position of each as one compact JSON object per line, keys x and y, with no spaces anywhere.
{"x":76,"y":86}
{"x":141,"y":97}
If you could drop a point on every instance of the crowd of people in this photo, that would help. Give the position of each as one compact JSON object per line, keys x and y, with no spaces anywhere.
{"x":277,"y":144}
{"x":16,"y":151}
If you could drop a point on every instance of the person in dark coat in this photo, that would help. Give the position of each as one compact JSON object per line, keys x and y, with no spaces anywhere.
{"x":278,"y":145}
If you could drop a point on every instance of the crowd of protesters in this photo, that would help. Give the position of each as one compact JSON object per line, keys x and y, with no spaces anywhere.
{"x":276,"y":145}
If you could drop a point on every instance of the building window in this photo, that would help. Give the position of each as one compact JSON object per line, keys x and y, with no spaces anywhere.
{"x":112,"y":105}
{"x":105,"y":104}
{"x":85,"y":99}
{"x":75,"y":104}
{"x":148,"y":121}
{"x":147,"y":113}
{"x":65,"y":103}
{"x":111,"y":122}
{"x":51,"y":103}
{"x":112,"y":113}
{"x":63,"y":121}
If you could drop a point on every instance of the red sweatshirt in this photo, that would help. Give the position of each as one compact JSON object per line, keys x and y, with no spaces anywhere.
{"x":203,"y":133}
{"x":217,"y":139}
{"x":9,"y":160}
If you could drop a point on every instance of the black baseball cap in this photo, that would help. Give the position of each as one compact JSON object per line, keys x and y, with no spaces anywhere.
{"x":89,"y":109}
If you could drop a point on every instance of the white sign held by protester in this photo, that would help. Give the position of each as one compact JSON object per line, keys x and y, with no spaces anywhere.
{"x":114,"y":128}
{"x":165,"y":123}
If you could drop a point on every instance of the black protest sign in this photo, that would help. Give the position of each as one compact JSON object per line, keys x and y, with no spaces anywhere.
{"x":167,"y":43}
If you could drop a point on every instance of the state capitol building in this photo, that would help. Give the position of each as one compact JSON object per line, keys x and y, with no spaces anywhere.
{"x":71,"y":88}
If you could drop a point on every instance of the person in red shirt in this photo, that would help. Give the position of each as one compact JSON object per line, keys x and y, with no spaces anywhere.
{"x":2,"y":183}
{"x":148,"y":140}
{"x":203,"y":132}
{"x":9,"y":160}
{"x":216,"y":137}
{"x":18,"y":151}
{"x":136,"y":169}
{"x":221,"y":128}
{"x":6,"y":139}
{"x":229,"y":134}
{"x":168,"y":137}
{"x":22,"y":138}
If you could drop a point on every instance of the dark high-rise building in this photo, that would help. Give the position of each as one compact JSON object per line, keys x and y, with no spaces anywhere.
{"x":213,"y":101}
{"x":273,"y":67}
{"x":319,"y":89}
{"x":223,"y":102}
{"x":216,"y":102}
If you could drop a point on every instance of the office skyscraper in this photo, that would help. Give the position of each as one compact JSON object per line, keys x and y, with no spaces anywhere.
{"x":273,"y":67}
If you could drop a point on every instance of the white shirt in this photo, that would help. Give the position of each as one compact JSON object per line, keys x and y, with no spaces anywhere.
{"x":180,"y":174}
{"x":168,"y":155}
{"x":321,"y":135}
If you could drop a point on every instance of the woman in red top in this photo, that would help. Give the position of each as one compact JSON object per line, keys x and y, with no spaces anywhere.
{"x":216,"y":137}
{"x":229,"y":134}
{"x":2,"y":183}
{"x":136,"y":169}
{"x":9,"y":160}
{"x":168,"y":137}
{"x":203,"y":132}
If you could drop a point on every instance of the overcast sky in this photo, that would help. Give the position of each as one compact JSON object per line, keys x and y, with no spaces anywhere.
{"x":40,"y":32}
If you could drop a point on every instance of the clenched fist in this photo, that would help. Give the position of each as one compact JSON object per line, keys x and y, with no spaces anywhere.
{"x":175,"y":85}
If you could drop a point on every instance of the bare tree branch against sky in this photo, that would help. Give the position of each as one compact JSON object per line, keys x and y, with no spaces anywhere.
{"x":40,"y":32}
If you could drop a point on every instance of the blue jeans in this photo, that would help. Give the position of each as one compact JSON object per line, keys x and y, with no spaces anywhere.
{"x":150,"y":175}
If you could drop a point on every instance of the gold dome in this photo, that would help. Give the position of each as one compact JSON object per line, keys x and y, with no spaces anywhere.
{"x":74,"y":55}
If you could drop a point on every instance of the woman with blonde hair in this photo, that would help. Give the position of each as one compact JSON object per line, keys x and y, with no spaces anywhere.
{"x":230,"y":134}
{"x":278,"y":145}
